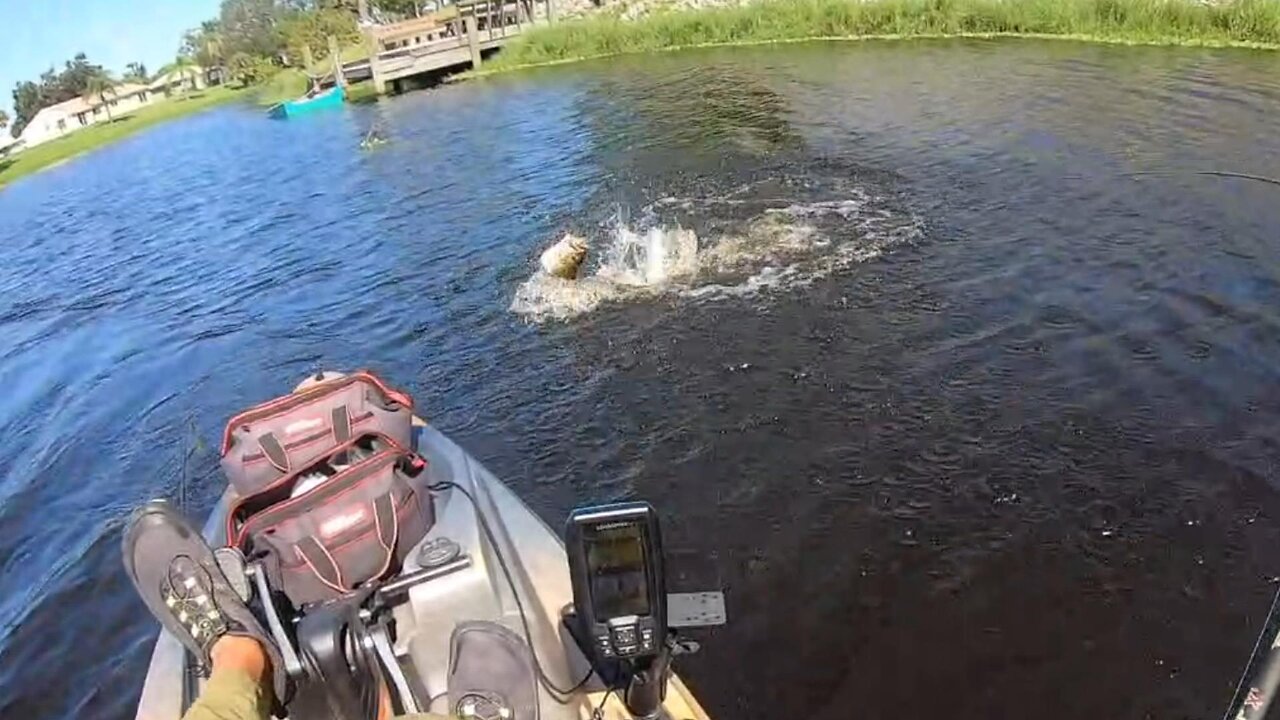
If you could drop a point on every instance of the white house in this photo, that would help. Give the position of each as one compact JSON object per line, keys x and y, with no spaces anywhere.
{"x":52,"y":122}
{"x":8,"y":143}
{"x":124,"y":98}
{"x":71,"y":115}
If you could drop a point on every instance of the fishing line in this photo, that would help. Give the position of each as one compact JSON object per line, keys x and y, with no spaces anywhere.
{"x":182,"y":477}
{"x":1214,"y":173}
{"x":191,"y":445}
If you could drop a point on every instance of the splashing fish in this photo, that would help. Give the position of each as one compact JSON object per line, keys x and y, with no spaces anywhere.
{"x":565,"y":257}
{"x":372,"y":140}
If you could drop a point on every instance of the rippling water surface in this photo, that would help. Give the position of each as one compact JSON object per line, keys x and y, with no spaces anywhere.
{"x":966,"y":422}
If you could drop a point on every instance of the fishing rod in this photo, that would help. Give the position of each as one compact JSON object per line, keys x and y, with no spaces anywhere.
{"x":192,"y":445}
{"x":1261,"y":678}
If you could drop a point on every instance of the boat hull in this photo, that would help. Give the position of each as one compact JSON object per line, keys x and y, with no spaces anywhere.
{"x":327,"y":100}
{"x":480,"y":591}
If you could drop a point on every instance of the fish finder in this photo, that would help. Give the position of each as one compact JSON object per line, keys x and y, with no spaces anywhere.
{"x":619,"y":589}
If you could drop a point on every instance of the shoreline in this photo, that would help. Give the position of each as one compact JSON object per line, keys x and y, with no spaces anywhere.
{"x":81,"y":142}
{"x":888,"y":37}
{"x":642,"y":26}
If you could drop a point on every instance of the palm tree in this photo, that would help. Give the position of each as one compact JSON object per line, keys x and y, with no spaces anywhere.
{"x":99,"y":84}
{"x":135,"y":72}
{"x":185,"y":67}
{"x":209,"y":46}
{"x":213,"y":50}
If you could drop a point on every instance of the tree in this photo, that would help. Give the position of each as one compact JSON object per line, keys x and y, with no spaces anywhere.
{"x":135,"y":72}
{"x":4,"y":119}
{"x":99,"y":85}
{"x":250,"y":69}
{"x":186,"y":69}
{"x":249,"y":26}
{"x":206,"y":45}
{"x":71,"y":82}
{"x":210,"y":54}
{"x":312,"y":29}
{"x":401,"y":7}
{"x":27,"y":101}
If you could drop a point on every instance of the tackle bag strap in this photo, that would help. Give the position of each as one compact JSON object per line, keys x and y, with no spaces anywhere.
{"x":274,"y":451}
{"x":387,"y":523}
{"x":321,"y":562}
{"x":317,"y":557}
{"x":276,"y":454}
{"x":341,"y":425}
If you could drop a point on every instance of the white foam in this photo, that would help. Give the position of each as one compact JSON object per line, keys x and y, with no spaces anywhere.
{"x":651,"y":257}
{"x":785,"y":246}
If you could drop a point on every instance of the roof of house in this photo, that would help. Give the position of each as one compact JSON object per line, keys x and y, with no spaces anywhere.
{"x":127,"y":89}
{"x":64,"y":108}
{"x":176,"y":75}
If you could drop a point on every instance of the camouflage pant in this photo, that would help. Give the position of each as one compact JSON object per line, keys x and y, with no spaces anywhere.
{"x":234,"y":695}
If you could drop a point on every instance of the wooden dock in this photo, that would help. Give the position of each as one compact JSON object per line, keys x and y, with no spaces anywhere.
{"x":455,"y":37}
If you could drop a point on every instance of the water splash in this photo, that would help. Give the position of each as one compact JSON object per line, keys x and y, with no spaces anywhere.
{"x":754,"y":245}
{"x":650,"y":257}
{"x":634,"y":263}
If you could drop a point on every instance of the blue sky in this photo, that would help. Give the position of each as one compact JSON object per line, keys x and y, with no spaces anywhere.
{"x":113,"y":33}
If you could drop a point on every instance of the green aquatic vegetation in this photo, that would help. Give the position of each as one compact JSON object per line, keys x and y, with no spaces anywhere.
{"x":1246,"y":23}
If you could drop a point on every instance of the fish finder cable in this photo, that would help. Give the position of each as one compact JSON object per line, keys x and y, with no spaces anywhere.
{"x":560,"y":695}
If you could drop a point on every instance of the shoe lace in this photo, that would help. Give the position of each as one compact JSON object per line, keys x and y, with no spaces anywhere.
{"x":187,"y":592}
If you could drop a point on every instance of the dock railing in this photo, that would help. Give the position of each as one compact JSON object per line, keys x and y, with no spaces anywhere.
{"x":455,"y":35}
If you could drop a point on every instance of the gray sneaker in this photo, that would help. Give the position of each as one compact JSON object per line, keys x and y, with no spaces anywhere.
{"x":179,"y":579}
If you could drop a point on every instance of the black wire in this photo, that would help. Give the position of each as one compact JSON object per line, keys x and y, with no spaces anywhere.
{"x":432,"y":700}
{"x":515,"y":593}
{"x":598,"y":713}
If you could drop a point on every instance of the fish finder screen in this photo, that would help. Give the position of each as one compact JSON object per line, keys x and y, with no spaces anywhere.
{"x":618,"y":572}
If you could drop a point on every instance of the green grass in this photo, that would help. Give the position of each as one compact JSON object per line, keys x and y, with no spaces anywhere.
{"x":285,"y":85}
{"x":350,"y":53}
{"x":361,"y":92}
{"x":1250,"y":23}
{"x":53,"y":152}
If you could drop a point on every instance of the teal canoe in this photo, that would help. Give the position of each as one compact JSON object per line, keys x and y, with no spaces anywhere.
{"x":331,"y":98}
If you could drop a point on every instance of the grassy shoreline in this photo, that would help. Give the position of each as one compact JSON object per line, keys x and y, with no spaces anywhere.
{"x":58,"y":151}
{"x":1234,"y":23}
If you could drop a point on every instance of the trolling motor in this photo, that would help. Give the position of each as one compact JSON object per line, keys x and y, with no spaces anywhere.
{"x":620,"y":603}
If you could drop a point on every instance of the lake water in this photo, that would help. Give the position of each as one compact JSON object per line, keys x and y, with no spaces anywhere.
{"x":967,"y":421}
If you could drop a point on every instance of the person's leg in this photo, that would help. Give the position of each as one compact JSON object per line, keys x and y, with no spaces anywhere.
{"x":177,"y":575}
{"x":237,"y":688}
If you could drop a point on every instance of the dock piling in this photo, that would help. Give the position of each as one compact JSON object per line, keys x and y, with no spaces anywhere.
{"x":473,"y":39}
